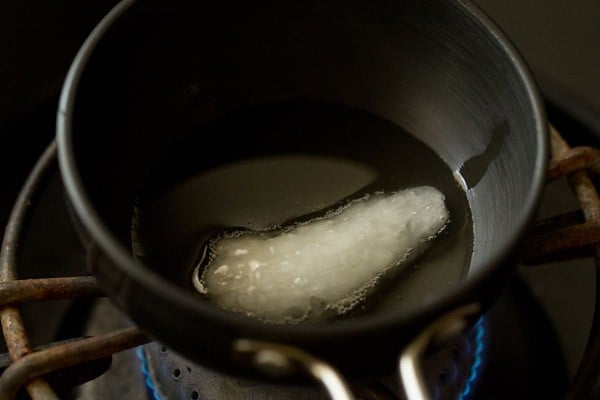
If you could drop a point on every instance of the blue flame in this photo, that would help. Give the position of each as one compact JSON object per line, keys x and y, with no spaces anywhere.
{"x":475,"y":372}
{"x":153,"y":393}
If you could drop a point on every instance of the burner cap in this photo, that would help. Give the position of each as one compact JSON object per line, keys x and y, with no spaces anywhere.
{"x":451,"y":372}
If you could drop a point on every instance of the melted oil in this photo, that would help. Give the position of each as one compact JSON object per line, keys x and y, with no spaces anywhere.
{"x":270,"y":165}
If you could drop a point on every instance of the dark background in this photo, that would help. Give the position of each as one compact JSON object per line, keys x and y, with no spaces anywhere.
{"x":559,"y":39}
{"x":38,"y":40}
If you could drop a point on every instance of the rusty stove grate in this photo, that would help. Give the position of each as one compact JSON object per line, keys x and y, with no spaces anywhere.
{"x":551,"y":238}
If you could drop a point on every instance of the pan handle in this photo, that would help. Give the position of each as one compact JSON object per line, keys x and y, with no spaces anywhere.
{"x":277,"y":360}
{"x":410,"y":365}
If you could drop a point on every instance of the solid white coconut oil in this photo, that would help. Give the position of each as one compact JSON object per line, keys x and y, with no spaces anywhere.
{"x":324,"y":263}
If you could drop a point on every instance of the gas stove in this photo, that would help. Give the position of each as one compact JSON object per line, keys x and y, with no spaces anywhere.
{"x":528,"y":345}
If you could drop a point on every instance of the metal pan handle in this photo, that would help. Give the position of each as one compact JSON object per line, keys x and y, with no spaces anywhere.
{"x":410,"y":365}
{"x":276,"y":360}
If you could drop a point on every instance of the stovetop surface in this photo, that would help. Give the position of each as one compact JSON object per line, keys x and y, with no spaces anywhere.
{"x":558,"y":39}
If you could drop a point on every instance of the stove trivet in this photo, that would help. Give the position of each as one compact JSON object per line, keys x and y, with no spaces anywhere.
{"x":551,"y":238}
{"x":566,"y":236}
{"x":28,"y":366}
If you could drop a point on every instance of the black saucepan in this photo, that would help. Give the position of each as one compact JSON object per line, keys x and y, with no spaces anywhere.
{"x":441,"y":70}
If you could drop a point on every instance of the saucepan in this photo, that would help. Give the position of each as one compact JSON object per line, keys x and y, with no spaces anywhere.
{"x":150,"y":72}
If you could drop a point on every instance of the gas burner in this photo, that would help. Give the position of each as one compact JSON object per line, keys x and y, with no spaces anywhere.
{"x":451,"y":373}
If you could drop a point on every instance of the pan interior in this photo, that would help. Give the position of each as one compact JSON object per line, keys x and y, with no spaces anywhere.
{"x":421,"y":67}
